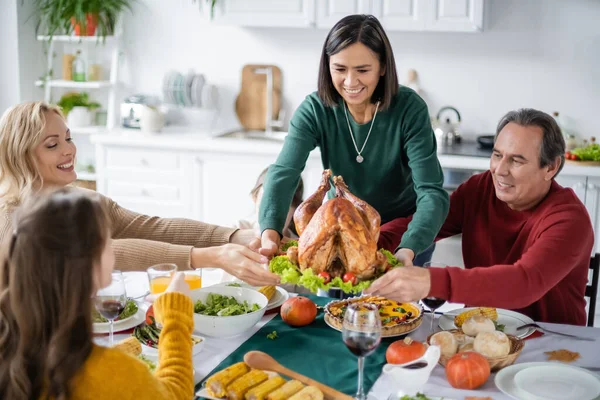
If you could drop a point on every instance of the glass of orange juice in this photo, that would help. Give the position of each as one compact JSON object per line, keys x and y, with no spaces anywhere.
{"x":194,"y":278}
{"x":160,"y":276}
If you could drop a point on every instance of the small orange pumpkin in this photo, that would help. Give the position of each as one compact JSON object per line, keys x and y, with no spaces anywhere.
{"x":467,"y":370}
{"x":403,"y":351}
{"x":298,"y":311}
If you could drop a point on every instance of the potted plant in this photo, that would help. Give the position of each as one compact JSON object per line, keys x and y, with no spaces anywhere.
{"x":78,"y":109}
{"x":84,"y":17}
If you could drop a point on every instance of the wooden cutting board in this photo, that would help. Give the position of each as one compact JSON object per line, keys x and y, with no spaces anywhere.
{"x":251,"y":102}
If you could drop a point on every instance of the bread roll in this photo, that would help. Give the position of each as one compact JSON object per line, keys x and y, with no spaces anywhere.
{"x":462,"y":339}
{"x":477,"y":324}
{"x":446,"y":342}
{"x":492,"y":344}
{"x":466,"y":347}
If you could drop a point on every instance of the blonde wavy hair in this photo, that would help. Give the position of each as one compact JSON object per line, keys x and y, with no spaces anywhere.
{"x":21,"y":130}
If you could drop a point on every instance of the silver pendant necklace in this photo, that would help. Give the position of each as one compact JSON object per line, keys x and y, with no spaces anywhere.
{"x":359,"y":157}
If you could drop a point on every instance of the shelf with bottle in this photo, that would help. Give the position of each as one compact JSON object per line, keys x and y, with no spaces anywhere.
{"x":75,"y":39}
{"x":61,"y":83}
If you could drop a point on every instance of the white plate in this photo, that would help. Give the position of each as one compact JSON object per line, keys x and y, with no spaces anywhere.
{"x":203,"y":393}
{"x":152,"y":353}
{"x":557,"y":382}
{"x":505,"y":378}
{"x":510,"y":319}
{"x":127,"y":323}
{"x":280,"y":296}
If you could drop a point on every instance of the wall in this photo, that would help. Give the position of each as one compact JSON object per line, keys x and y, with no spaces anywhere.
{"x":539,"y":53}
{"x":9,"y":56}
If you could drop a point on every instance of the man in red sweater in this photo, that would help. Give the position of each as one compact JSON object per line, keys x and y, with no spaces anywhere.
{"x":526,"y":240}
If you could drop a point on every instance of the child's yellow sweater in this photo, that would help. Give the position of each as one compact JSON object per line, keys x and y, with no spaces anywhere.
{"x":110,"y":374}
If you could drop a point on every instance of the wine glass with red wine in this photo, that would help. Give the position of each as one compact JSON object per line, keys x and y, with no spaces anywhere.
{"x":433,"y":303}
{"x":110,"y":301}
{"x":361,"y":332}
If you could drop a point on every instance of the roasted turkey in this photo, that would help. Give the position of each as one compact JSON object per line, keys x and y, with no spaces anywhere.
{"x":337,"y":236}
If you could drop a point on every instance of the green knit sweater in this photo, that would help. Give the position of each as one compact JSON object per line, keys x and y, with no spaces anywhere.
{"x":400,"y":174}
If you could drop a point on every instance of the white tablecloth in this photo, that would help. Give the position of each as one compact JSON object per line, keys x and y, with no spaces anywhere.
{"x":216,"y":350}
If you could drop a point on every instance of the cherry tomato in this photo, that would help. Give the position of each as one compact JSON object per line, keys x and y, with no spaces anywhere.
{"x":326,"y":277}
{"x":350,"y":277}
{"x":574,"y":157}
{"x":568,"y":155}
{"x":149,"y":313}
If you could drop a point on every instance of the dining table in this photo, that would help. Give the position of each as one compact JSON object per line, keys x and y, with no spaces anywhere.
{"x":216,"y":350}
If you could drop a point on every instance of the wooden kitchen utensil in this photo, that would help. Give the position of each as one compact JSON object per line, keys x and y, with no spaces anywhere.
{"x":251,"y":102}
{"x":260,"y":360}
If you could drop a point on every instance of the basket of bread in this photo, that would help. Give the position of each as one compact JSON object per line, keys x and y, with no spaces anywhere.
{"x":477,"y":332}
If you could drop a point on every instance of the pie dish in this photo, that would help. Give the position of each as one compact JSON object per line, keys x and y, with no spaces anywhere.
{"x":396,"y":318}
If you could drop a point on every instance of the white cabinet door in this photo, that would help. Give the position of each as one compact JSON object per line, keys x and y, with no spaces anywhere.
{"x":226,"y":187}
{"x":577,"y":183}
{"x":266,"y":13}
{"x":454,"y":15}
{"x":331,"y":11}
{"x":401,"y":15}
{"x":592,"y":204}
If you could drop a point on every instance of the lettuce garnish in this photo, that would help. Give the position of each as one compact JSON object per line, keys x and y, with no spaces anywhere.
{"x":291,"y":274}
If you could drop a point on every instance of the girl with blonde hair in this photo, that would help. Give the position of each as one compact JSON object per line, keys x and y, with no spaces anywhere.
{"x":37,"y":152}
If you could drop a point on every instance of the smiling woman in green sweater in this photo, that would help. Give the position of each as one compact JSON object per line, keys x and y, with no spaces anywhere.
{"x":374,"y":133}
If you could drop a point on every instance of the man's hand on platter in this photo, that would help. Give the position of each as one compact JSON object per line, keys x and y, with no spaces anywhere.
{"x":403,"y":284}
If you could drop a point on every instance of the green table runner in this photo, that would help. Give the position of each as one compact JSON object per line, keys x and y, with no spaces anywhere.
{"x":315,"y":350}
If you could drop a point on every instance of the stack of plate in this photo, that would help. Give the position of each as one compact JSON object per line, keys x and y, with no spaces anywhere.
{"x":190,"y":90}
{"x":548,"y":381}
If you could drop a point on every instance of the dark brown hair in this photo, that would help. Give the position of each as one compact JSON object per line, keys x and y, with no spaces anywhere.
{"x":46,"y":284}
{"x":367,"y":30}
{"x":296,"y":200}
{"x":553,"y":142}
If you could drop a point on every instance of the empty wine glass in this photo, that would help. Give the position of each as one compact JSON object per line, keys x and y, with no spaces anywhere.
{"x":110,"y":301}
{"x":433,"y":303}
{"x":361,"y":332}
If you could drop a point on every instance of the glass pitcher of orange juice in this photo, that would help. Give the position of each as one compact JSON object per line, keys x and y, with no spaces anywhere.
{"x":160,"y":276}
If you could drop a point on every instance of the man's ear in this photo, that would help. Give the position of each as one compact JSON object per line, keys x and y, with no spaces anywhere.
{"x":552,"y":169}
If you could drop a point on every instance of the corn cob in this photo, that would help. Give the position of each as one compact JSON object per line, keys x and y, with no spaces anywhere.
{"x":286,"y":391}
{"x":216,"y":385}
{"x":308,"y":393}
{"x":238,"y":388}
{"x":260,"y":392}
{"x":130,"y":346}
{"x":268,"y":291}
{"x":488,"y":312}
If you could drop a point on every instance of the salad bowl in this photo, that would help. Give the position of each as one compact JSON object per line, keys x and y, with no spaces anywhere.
{"x":225,"y":311}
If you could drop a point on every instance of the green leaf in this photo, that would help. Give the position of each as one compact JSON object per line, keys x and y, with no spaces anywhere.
{"x":272,"y":335}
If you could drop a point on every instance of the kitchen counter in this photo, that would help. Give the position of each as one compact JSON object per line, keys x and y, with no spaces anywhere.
{"x":466,"y":155}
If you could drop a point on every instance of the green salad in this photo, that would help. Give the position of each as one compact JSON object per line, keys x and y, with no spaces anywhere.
{"x":223,"y":306}
{"x":130,"y":309}
{"x":291,"y":274}
{"x":418,"y":396}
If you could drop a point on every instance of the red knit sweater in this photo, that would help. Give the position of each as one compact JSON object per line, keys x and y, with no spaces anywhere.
{"x":534,"y":262}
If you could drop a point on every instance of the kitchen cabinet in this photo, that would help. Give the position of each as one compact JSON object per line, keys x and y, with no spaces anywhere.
{"x":395,"y":15}
{"x":207,"y":180}
{"x":266,"y":13}
{"x":331,"y":11}
{"x":454,"y":15}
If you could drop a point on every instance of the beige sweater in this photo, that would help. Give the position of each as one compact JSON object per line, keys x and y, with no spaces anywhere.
{"x":141,"y":241}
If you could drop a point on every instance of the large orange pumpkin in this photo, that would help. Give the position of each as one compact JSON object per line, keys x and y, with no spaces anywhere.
{"x":298,"y":311}
{"x":403,"y":351}
{"x":467,"y":370}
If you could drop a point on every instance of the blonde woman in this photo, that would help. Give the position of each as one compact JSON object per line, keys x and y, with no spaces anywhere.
{"x":37,"y":152}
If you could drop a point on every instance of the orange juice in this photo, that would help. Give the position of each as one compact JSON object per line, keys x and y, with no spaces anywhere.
{"x":194,"y":281}
{"x":159,"y":284}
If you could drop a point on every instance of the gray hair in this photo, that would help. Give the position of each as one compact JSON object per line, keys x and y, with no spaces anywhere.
{"x":553,"y":142}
